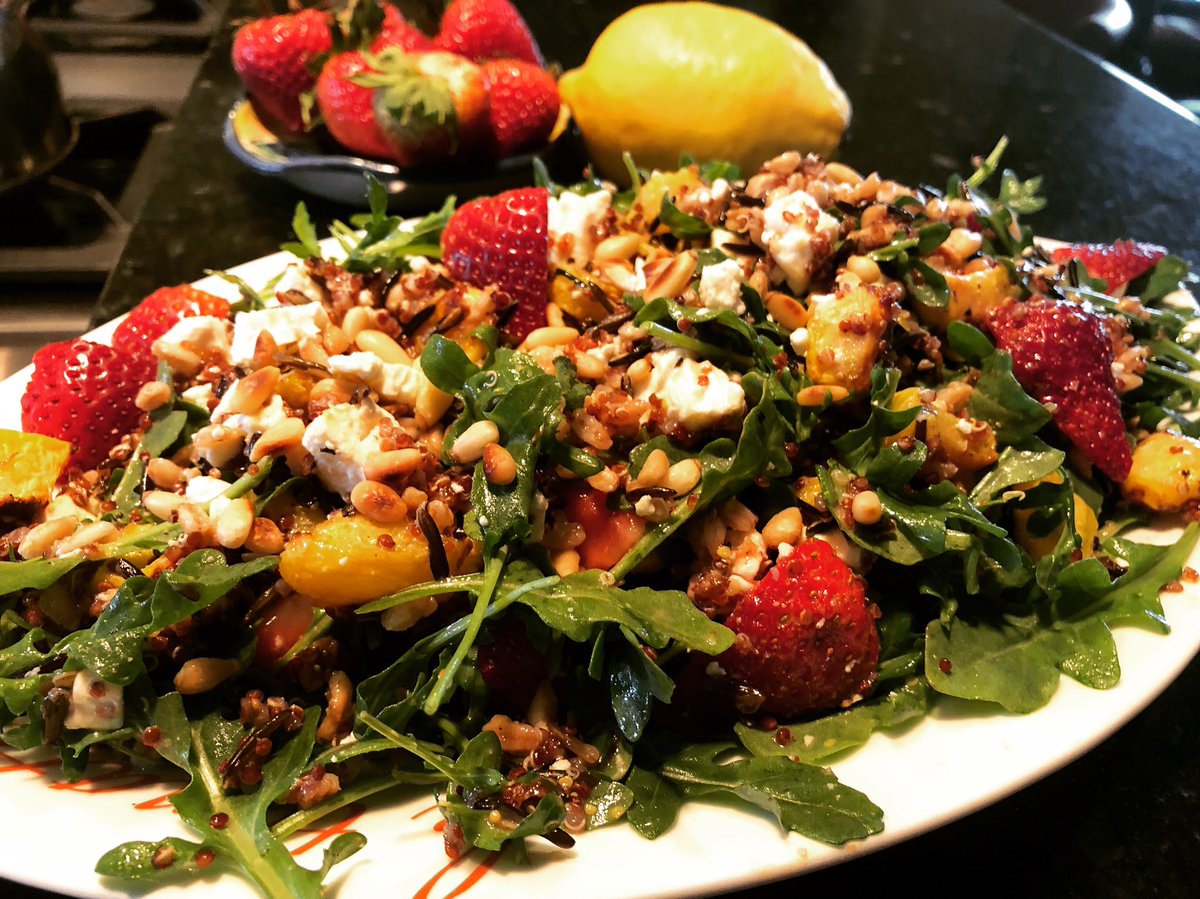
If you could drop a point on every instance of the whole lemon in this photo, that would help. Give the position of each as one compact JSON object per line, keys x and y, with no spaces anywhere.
{"x":718,"y":83}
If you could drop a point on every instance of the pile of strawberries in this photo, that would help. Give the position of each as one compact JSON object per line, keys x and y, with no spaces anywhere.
{"x":478,"y":90}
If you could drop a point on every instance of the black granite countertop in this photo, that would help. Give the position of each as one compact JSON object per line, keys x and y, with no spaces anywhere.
{"x":932,"y":83}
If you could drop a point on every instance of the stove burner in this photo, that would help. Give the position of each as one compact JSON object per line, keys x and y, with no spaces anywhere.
{"x":172,"y":25}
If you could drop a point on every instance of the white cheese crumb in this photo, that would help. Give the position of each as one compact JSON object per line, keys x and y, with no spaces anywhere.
{"x":95,"y":704}
{"x":210,"y":492}
{"x":296,"y":278}
{"x":797,"y":233}
{"x":576,"y":216}
{"x":200,"y":333}
{"x":396,"y":382}
{"x":799,"y":341}
{"x":343,"y":438}
{"x":721,"y":287}
{"x":288,"y":325}
{"x":694,"y":394}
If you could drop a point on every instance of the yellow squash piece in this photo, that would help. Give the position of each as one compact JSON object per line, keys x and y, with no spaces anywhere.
{"x":715,"y":82}
{"x":29,"y":466}
{"x":1165,"y":474}
{"x":844,"y":333}
{"x":350,"y":561}
{"x":972,"y":295}
{"x":1039,"y":545}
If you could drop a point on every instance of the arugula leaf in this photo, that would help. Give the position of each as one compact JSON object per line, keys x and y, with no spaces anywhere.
{"x":680,"y":224}
{"x":38,"y":574}
{"x":478,"y":829}
{"x":1021,"y":197}
{"x":805,"y":799}
{"x":634,"y":683}
{"x":610,"y":801}
{"x":306,"y":245}
{"x":1024,"y":464}
{"x":656,"y":803}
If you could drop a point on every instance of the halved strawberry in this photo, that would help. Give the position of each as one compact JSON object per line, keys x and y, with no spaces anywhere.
{"x":504,"y":240}
{"x":157,"y":314}
{"x":807,"y":639}
{"x":1062,"y":355}
{"x":487,"y":29}
{"x":1117,"y":263}
{"x":83,"y":392}
{"x":272,"y":57}
{"x":524,"y":106}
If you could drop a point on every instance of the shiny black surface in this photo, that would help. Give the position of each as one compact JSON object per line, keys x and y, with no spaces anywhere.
{"x":932,"y":83}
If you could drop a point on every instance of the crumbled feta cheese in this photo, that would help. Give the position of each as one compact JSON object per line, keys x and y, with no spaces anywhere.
{"x":799,"y":341}
{"x":721,"y":287}
{"x":629,"y":281}
{"x":201,"y":333}
{"x":797,"y":233}
{"x":95,"y":704}
{"x":396,"y":382}
{"x":575,"y":216}
{"x":253,"y":422}
{"x":343,"y":438}
{"x":288,"y":325}
{"x":693,"y":394}
{"x":719,"y":189}
{"x":210,"y":492}
{"x":296,"y":278}
{"x":200,"y":395}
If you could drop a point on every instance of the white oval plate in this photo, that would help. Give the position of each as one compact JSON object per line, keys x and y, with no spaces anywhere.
{"x":964,"y":756}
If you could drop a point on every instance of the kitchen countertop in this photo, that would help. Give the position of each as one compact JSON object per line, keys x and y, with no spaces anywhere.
{"x":932,"y":83}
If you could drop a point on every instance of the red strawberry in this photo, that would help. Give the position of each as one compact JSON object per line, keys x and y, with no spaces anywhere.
{"x":1117,"y":263}
{"x":511,"y":665}
{"x":487,"y":29}
{"x":503,"y":240}
{"x":524,"y":106}
{"x":83,"y":392}
{"x":1062,"y":355}
{"x":157,"y":314}
{"x":431,"y":106}
{"x":272,"y":56}
{"x":348,"y":107}
{"x":806,"y":636}
{"x":397,"y":32}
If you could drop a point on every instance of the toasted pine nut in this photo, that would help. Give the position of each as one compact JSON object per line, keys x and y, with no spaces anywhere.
{"x":669,"y":278}
{"x":515,"y":737}
{"x":554,"y":316}
{"x":378,"y":502}
{"x":786,"y":526}
{"x":565,"y":562}
{"x":873,"y":215}
{"x":151,"y":395}
{"x":786,"y":310}
{"x":164,"y":473}
{"x":335,"y":340}
{"x":468,"y":446}
{"x":865,"y":267}
{"x":393,"y":463}
{"x":234,"y":523}
{"x":405,"y":615}
{"x":441,"y":514}
{"x":840,"y":173}
{"x":265,"y":538}
{"x":311,"y":350}
{"x":162,"y":503}
{"x":817,"y":394}
{"x":866,"y":507}
{"x":193,"y":519}
{"x":383,"y":346}
{"x":356,"y":321}
{"x":204,"y":674}
{"x":605,"y":481}
{"x":88,"y":535}
{"x":413,"y":497}
{"x":499,"y":467}
{"x":330,"y":392}
{"x":216,"y":444}
{"x":39,"y":538}
{"x":589,"y":367}
{"x":266,"y":350}
{"x":961,"y":244}
{"x":591,"y":430}
{"x":639,"y":374}
{"x":684,"y":475}
{"x":341,"y":700}
{"x":277,"y":439}
{"x":654,"y":470}
{"x":548,"y":336}
{"x":618,"y":246}
{"x":249,"y":394}
{"x":179,"y":357}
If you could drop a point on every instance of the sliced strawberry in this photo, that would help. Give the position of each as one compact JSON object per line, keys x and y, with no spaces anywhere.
{"x":1062,"y":355}
{"x":806,"y":636}
{"x":83,"y":392}
{"x":158,"y":313}
{"x":272,"y":58}
{"x":1117,"y":263}
{"x":398,"y":32}
{"x":348,"y":107}
{"x":487,"y":29}
{"x":610,"y":533}
{"x":504,"y":240}
{"x":524,"y":106}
